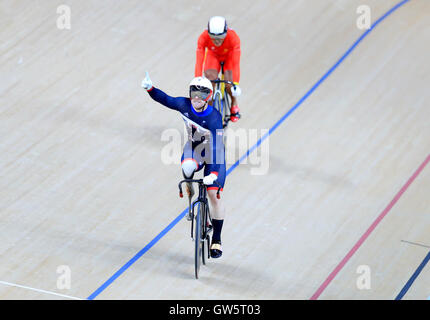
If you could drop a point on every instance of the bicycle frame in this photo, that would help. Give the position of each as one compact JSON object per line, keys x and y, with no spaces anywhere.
{"x":221,"y":98}
{"x":202,"y":197}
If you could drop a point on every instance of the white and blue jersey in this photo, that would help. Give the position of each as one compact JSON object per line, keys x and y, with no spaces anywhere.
{"x":205,"y":143}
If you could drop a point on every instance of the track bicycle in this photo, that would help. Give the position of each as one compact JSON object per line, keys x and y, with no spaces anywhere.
{"x":201,"y":228}
{"x":221,"y":99}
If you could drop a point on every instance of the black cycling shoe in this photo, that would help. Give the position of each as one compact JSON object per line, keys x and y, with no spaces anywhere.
{"x":216,"y":250}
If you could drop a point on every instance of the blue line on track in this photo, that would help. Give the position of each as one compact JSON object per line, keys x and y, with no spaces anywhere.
{"x":414,"y":276}
{"x":137,"y":256}
{"x":258,"y":143}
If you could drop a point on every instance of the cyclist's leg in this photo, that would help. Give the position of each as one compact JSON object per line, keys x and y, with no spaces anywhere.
{"x":211,"y":74}
{"x":212,"y":68}
{"x":228,"y":75}
{"x":189,"y":164}
{"x":217,"y":212}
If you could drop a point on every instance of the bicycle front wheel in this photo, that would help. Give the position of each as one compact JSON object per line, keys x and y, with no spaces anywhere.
{"x":206,"y":235}
{"x":198,"y":240}
{"x":218,"y":102}
{"x":226,"y":109}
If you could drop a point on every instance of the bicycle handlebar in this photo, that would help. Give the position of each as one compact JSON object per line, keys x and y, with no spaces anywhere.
{"x":200,"y":182}
{"x":224,"y":81}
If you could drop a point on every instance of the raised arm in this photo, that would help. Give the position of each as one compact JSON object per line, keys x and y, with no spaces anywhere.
{"x":178,"y":103}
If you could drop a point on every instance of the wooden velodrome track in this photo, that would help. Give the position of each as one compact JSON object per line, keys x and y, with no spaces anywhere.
{"x":83,"y":184}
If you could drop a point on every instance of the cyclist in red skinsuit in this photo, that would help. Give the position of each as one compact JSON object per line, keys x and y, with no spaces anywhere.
{"x":216,"y":44}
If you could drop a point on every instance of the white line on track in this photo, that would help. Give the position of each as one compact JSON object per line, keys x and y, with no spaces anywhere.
{"x":39,"y":290}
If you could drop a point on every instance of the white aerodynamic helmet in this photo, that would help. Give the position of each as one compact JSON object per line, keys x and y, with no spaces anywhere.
{"x":201,"y":87}
{"x":217,"y":26}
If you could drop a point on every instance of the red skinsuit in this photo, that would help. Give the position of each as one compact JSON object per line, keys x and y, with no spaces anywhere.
{"x":229,"y":52}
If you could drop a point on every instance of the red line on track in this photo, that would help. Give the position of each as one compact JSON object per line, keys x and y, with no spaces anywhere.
{"x":369,"y":231}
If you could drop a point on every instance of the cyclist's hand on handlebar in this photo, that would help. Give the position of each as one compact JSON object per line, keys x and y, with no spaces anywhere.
{"x":147,"y":83}
{"x":236,"y":91}
{"x":209,"y":179}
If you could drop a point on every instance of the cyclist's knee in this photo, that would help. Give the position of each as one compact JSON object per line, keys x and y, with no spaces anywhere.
{"x":189,"y":166}
{"x":228,"y":75}
{"x":213,"y":197}
{"x":211,"y":74}
{"x":217,"y":211}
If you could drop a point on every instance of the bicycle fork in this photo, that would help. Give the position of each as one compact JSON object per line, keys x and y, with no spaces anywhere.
{"x":201,"y":204}
{"x":207,"y":227}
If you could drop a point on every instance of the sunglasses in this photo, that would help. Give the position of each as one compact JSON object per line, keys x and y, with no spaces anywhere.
{"x":218,"y":36}
{"x":201,"y":94}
